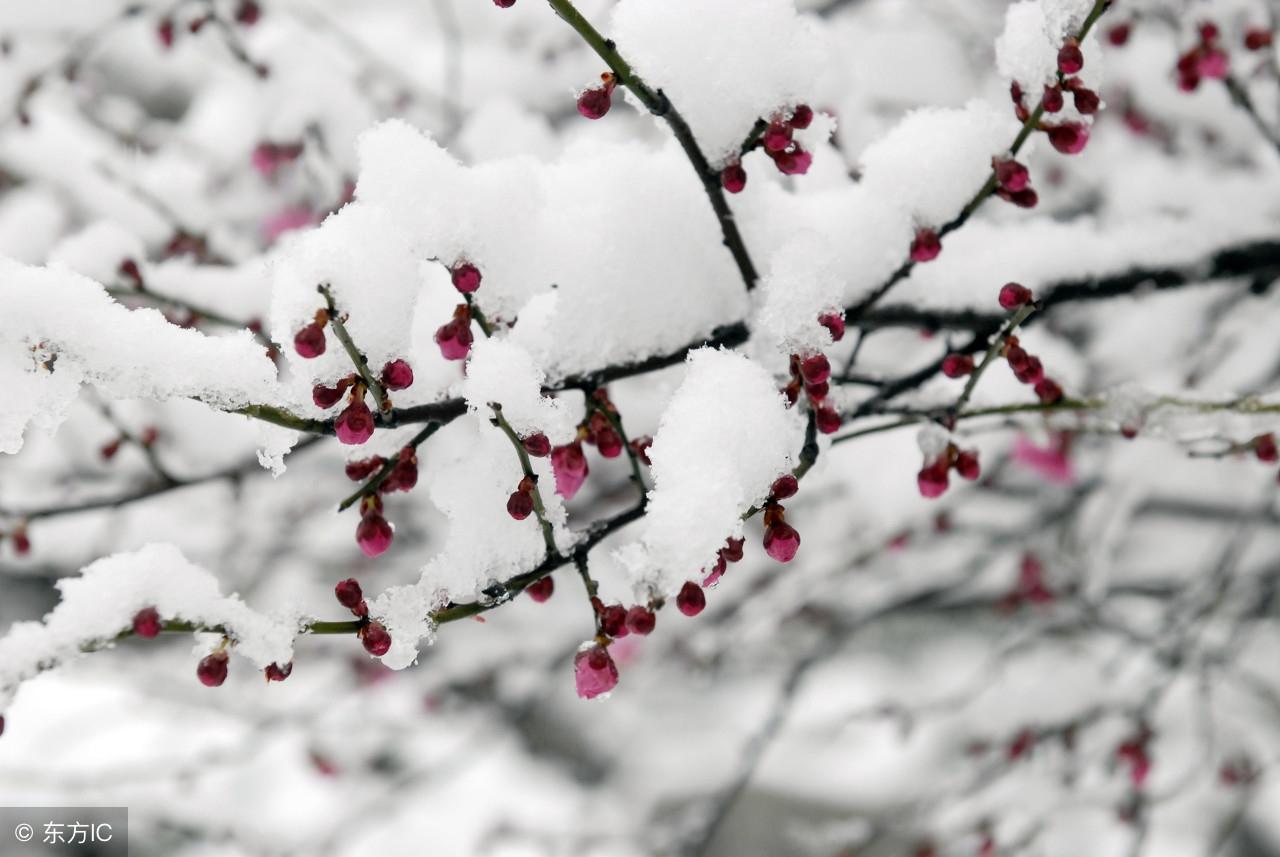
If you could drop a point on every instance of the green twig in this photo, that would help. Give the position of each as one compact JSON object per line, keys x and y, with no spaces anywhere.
{"x":637,"y":473}
{"x":357,"y":357}
{"x":281,"y":417}
{"x":1240,"y":98}
{"x":374,"y":482}
{"x":996,"y":344}
{"x":539,"y":510}
{"x":485,"y":327}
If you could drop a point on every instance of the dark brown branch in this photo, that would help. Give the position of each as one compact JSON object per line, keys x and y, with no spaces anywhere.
{"x":1260,"y":261}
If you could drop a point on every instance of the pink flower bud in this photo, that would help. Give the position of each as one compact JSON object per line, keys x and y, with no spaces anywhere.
{"x":466,"y":277}
{"x":641,"y":620}
{"x":355,"y":424}
{"x":834,"y":323}
{"x":781,"y":541}
{"x":926,"y":246}
{"x":1012,"y":176}
{"x":375,"y":639}
{"x":733,"y":178}
{"x":932,"y":480}
{"x":541,"y":590}
{"x":146,"y":623}
{"x":594,"y":103}
{"x":1069,"y":138}
{"x":784,"y":486}
{"x":1070,"y":58}
{"x":374,"y":535}
{"x":349,"y":593}
{"x":827,"y":420}
{"x":1014,"y":296}
{"x":967,"y":466}
{"x":691,"y":600}
{"x":1048,"y":391}
{"x":212,"y":669}
{"x":275,"y":672}
{"x":309,"y":341}
{"x":520,"y":505}
{"x":777,"y":137}
{"x":1052,"y":101}
{"x":815,"y":368}
{"x":397,"y":375}
{"x":454,"y":339}
{"x":957,"y":365}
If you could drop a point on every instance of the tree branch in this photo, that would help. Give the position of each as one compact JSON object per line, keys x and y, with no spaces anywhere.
{"x":855,"y":312}
{"x":659,"y":105}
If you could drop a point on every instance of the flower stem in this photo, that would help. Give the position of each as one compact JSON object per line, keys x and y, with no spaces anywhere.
{"x":996,"y":344}
{"x":357,"y":357}
{"x":539,"y":510}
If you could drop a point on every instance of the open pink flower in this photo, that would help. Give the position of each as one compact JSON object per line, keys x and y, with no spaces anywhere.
{"x":594,"y":672}
{"x":570,"y":467}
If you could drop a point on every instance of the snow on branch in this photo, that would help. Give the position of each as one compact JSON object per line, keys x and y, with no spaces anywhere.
{"x":141,"y":592}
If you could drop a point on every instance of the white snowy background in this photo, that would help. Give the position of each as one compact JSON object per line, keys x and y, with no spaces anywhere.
{"x":1074,"y":654}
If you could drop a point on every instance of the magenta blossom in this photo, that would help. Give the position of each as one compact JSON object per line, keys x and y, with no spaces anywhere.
{"x":1050,"y":462}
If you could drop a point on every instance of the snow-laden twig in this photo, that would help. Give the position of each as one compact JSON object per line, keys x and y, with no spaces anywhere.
{"x":659,"y":105}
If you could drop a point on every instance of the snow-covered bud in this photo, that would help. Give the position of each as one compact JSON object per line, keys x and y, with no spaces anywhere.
{"x":146,"y":623}
{"x":465,"y":277}
{"x":1070,"y":57}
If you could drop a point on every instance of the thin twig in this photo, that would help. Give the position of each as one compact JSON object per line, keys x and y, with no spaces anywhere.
{"x":996,"y":344}
{"x":374,"y":482}
{"x":539,"y":510}
{"x":357,"y":356}
{"x":1240,"y":98}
